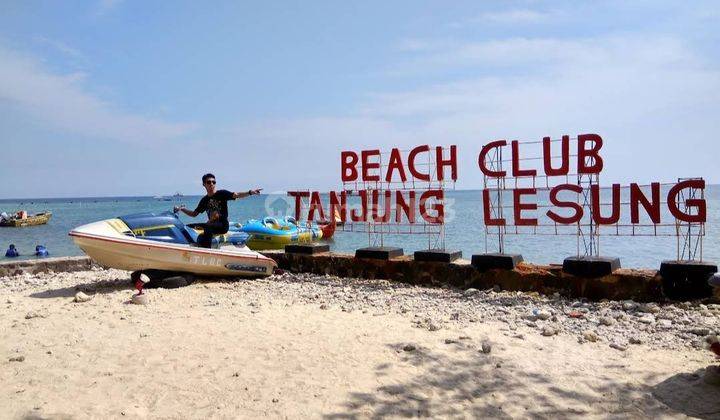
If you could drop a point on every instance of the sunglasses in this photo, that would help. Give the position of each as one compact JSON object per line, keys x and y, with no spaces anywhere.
{"x":211,"y":181}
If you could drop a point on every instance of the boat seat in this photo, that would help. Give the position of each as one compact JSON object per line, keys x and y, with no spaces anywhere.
{"x":190,"y":235}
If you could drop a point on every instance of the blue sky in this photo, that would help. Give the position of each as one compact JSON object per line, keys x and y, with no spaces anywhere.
{"x":141,"y":98}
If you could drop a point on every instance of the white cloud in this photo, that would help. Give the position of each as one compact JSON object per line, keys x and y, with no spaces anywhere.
{"x":62,"y":101}
{"x":106,"y":6}
{"x":517,"y":16}
{"x":512,"y":17}
{"x":645,"y":95}
{"x":541,"y":66}
{"x":531,"y":55}
{"x":62,"y":47}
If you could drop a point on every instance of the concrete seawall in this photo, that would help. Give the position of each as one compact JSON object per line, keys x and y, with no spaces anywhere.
{"x":639,"y":285}
{"x":59,"y":264}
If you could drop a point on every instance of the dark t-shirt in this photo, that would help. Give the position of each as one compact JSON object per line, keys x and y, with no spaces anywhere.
{"x":216,"y":203}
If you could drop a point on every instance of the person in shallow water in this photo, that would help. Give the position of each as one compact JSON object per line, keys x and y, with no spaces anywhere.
{"x":41,"y":251}
{"x":215,"y":204}
{"x":12,"y":252}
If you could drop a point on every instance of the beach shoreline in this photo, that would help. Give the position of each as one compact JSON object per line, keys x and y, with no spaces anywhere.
{"x":303,"y":345}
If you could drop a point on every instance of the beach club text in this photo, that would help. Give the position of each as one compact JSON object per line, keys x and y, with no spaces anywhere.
{"x":399,"y":186}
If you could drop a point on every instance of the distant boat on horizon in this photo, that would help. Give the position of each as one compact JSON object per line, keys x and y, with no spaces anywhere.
{"x":178,"y":195}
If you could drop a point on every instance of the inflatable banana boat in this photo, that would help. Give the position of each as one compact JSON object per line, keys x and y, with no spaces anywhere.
{"x":273,"y":233}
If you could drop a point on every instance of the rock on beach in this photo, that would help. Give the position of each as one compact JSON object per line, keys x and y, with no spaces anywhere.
{"x":82,"y":297}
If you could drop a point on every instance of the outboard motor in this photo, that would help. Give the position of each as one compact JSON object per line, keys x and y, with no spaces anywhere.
{"x":41,"y":251}
{"x":12,"y":252}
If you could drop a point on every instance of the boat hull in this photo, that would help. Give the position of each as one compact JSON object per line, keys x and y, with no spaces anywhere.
{"x":135,"y":254}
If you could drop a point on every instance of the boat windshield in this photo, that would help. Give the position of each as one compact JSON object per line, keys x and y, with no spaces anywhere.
{"x":161,"y":227}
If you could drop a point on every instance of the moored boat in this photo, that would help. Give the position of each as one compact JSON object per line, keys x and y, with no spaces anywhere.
{"x":22,"y":219}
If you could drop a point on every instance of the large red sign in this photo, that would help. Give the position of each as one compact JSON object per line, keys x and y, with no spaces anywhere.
{"x":550,"y":184}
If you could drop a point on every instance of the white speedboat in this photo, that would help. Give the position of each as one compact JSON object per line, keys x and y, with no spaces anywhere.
{"x":162,"y":243}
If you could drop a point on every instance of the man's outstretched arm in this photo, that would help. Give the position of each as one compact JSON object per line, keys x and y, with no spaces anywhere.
{"x":247,"y":193}
{"x":191,"y":213}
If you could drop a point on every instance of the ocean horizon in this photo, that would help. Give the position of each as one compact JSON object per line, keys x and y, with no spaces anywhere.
{"x":108,"y":197}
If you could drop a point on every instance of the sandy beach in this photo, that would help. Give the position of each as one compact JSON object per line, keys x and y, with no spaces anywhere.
{"x":299,"y":346}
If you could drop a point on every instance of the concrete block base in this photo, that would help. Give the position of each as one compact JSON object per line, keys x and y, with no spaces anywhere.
{"x":494,"y":261}
{"x":590,"y":267}
{"x":307,"y":249}
{"x":379,"y":252}
{"x":437,"y":255}
{"x":687,"y":279}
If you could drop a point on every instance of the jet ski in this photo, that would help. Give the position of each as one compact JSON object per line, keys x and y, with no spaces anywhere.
{"x":161,"y":243}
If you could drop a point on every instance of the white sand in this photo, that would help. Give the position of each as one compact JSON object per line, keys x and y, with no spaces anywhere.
{"x":265,"y":348}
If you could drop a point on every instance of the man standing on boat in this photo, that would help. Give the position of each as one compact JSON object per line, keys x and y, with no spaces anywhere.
{"x":215,"y":204}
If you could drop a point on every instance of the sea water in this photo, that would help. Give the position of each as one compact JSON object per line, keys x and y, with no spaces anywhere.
{"x":464,"y":228}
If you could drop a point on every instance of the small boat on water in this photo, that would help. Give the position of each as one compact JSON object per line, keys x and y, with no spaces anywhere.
{"x":22,"y":218}
{"x":177,"y":196}
{"x":160,"y":242}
